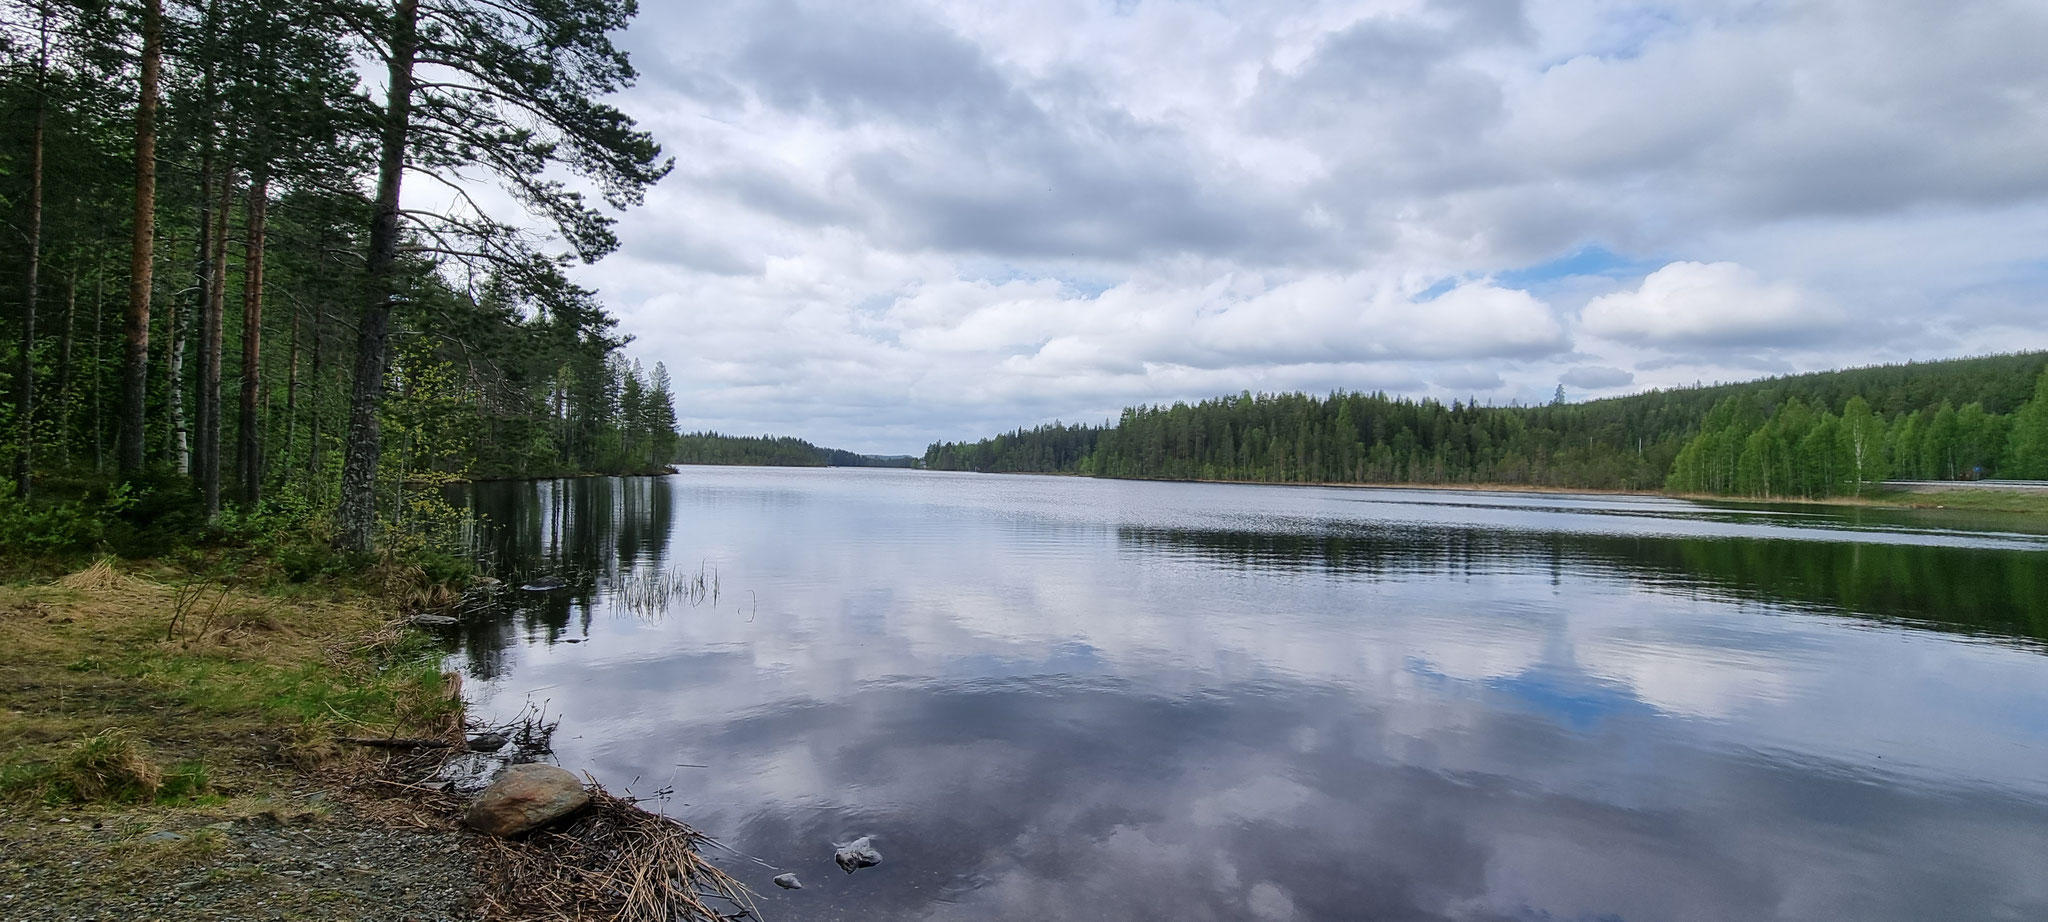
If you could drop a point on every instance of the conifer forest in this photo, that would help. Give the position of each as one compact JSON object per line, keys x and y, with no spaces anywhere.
{"x":297,"y":256}
{"x":1806,"y":436}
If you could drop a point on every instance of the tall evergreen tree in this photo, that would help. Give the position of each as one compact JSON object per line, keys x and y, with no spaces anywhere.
{"x":509,"y":86}
{"x":142,"y":252}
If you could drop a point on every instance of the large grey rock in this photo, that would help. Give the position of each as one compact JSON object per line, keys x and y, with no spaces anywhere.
{"x":526,"y":797}
{"x":788,"y":882}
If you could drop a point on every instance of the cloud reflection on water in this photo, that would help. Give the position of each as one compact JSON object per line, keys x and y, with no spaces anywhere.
{"x":1040,"y":717}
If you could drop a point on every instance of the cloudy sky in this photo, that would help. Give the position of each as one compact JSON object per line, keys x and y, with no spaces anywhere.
{"x":899,"y":220}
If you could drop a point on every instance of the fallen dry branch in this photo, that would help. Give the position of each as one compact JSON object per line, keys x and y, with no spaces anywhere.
{"x":614,"y":861}
{"x":395,"y":742}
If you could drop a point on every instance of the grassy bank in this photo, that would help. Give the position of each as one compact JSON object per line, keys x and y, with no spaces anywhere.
{"x":180,"y":744}
{"x":162,"y":685}
{"x":1978,"y":500}
{"x":146,"y":711}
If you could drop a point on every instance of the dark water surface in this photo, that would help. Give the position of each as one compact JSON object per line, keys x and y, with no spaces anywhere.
{"x":1058,"y":698}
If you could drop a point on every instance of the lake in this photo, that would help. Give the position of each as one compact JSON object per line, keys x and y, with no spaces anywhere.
{"x":1064,"y":698}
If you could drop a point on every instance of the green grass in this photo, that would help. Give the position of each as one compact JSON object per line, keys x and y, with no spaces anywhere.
{"x":111,"y":766}
{"x":1979,"y":500}
{"x":401,"y":687}
{"x":160,"y":687}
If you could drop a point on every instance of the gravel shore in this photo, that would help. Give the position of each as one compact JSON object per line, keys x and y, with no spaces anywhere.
{"x":309,"y":858}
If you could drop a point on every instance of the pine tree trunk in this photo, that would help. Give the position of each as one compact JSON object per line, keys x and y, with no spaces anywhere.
{"x":248,"y":435}
{"x":319,"y":405}
{"x":291,"y":391}
{"x":64,"y":369}
{"x":202,"y":285}
{"x":207,"y":456}
{"x":99,"y":372}
{"x":355,"y":519}
{"x":25,"y":376}
{"x":176,"y":439}
{"x":142,"y":249}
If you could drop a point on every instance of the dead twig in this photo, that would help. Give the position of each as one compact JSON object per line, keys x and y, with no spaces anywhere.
{"x":394,"y":742}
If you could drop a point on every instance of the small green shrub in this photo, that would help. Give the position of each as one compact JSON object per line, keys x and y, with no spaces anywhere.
{"x":61,"y":527}
{"x":442,"y":568}
{"x":111,"y":765}
{"x":186,"y":781}
{"x":159,"y":511}
{"x":306,"y":562}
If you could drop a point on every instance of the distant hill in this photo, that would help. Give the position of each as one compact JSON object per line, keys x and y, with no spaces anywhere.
{"x":774,"y":451}
{"x":1817,"y":434}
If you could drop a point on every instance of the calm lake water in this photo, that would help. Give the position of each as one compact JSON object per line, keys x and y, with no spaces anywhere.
{"x":1060,"y":698}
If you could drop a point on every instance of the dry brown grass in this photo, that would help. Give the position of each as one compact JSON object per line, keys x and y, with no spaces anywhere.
{"x":109,"y":765}
{"x":614,"y":861}
{"x":100,"y":577}
{"x":408,"y":587}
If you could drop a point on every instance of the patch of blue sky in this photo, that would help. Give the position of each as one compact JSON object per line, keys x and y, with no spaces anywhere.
{"x":1626,"y":33}
{"x":1085,"y":288}
{"x":1591,"y":260}
{"x":1442,"y":287}
{"x":1070,"y":286}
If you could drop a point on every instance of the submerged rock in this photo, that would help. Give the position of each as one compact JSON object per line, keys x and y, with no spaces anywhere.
{"x":857,"y":854}
{"x":526,"y":797}
{"x":546,"y":584}
{"x":471,"y":772}
{"x":487,"y":742}
{"x":788,"y":882}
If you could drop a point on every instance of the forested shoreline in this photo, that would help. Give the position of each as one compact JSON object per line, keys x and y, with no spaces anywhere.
{"x":1805,"y":436}
{"x":250,"y":272}
{"x":772,"y":451}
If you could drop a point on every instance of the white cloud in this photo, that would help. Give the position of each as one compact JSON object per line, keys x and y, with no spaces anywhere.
{"x":1690,"y":305}
{"x":1596,"y":377}
{"x":918,"y":220}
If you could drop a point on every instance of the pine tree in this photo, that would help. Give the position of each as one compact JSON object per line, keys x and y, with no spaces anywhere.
{"x":510,"y":86}
{"x":142,"y":251}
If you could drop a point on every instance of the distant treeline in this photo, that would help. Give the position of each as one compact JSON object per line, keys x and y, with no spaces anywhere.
{"x":773,"y":451}
{"x":1810,"y":435}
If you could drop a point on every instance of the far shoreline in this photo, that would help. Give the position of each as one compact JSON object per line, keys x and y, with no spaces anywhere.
{"x":1972,"y":499}
{"x":1959,"y":498}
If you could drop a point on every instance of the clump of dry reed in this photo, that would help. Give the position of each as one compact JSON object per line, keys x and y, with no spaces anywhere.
{"x":648,"y":595}
{"x":615,"y":860}
{"x":100,"y":577}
